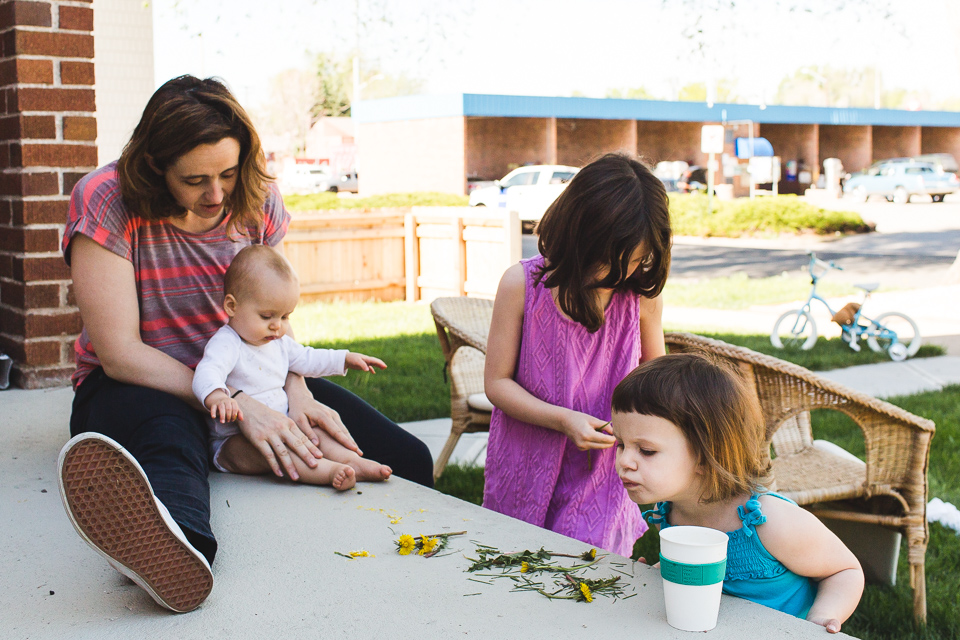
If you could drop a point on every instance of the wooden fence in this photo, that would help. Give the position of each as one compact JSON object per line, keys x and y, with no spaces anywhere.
{"x":413,"y":254}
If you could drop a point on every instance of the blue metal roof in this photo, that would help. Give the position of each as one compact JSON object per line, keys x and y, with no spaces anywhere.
{"x":470,"y":104}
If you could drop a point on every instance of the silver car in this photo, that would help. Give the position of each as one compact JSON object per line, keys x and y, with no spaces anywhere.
{"x":897,"y":181}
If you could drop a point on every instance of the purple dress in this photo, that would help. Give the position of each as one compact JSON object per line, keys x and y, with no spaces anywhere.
{"x":538,"y":475}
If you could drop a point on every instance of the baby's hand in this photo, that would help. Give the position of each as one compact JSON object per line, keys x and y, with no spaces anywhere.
{"x":223,"y":406}
{"x":361,"y":362}
{"x":832,"y":625}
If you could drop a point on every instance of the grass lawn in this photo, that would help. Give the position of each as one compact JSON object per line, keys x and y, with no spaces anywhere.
{"x":414,"y":388}
{"x":742,"y":292}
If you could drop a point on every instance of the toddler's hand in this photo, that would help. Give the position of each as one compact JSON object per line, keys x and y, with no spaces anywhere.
{"x":832,"y":625}
{"x":586,"y":431}
{"x":361,"y":362}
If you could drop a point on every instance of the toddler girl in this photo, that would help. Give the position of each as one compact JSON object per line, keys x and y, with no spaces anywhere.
{"x":567,"y":326}
{"x":689,"y":437}
{"x":253,"y":354}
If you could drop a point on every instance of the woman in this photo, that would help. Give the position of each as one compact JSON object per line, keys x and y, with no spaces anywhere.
{"x":148,"y":239}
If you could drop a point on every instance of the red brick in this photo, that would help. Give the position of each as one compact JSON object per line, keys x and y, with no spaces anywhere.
{"x":58,"y":155}
{"x":38,"y":127}
{"x":76,"y":18}
{"x":30,"y":269}
{"x":12,"y":321}
{"x":6,"y":213}
{"x":71,"y":297}
{"x":10,"y":155}
{"x":11,"y":184}
{"x":6,"y":265}
{"x":40,"y":211}
{"x":26,"y":71}
{"x":26,"y":14}
{"x":29,"y":240}
{"x":40,"y":184}
{"x":31,"y":296}
{"x":40,"y":352}
{"x":72,"y":72}
{"x":42,"y":325}
{"x":41,"y":99}
{"x":79,"y":128}
{"x":52,"y":43}
{"x":70,"y":180}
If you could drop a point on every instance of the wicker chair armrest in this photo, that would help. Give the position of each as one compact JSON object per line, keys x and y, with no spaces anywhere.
{"x":466,"y":319}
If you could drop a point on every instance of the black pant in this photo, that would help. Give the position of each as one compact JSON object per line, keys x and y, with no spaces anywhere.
{"x":169,"y":439}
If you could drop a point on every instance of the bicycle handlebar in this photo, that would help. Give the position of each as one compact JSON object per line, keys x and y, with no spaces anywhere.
{"x":815,"y":261}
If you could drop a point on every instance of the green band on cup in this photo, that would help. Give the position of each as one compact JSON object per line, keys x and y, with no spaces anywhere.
{"x":693,"y":575}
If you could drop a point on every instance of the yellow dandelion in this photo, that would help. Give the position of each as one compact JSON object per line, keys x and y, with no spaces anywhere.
{"x":405,"y":545}
{"x":427,"y":545}
{"x":360,"y":554}
{"x":524,"y":567}
{"x":590,"y":555}
{"x":396,"y":520}
{"x":585,"y":590}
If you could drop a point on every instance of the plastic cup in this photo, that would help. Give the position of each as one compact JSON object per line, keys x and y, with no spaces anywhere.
{"x":693,"y":561}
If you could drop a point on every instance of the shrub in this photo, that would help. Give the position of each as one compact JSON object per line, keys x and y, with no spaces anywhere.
{"x":765,"y":215}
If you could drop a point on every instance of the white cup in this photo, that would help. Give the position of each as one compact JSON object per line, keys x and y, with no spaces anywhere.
{"x":692,"y":563}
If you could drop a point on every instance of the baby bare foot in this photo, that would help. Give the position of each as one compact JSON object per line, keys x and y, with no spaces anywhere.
{"x":371,"y":471}
{"x":345,"y":478}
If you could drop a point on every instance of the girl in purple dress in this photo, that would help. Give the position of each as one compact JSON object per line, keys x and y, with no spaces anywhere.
{"x":567,"y":326}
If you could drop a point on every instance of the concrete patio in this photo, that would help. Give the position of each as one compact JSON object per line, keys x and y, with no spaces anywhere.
{"x":277,"y":573}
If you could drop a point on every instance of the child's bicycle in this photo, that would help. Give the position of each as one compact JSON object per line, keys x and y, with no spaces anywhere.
{"x":892,"y":332}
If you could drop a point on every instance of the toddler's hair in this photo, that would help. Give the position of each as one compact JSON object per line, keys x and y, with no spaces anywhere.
{"x":710,"y":403}
{"x":249,"y":263}
{"x":611,"y":207}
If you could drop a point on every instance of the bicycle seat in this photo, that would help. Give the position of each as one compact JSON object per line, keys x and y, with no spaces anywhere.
{"x":868,"y":287}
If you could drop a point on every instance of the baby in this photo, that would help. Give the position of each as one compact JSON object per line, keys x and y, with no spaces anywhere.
{"x":253,"y":354}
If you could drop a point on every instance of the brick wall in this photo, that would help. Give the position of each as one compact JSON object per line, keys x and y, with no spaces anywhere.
{"x":580,"y":141}
{"x":657,"y":141}
{"x":494,"y":144}
{"x":852,"y":144}
{"x":47,"y":142}
{"x":895,"y":142}
{"x":940,"y":140}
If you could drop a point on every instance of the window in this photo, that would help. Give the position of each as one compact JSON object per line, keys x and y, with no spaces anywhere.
{"x":522,"y":179}
{"x":917,"y":170}
{"x":561,"y":177}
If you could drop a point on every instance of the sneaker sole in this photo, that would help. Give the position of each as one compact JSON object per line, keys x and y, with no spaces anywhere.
{"x":110,"y":503}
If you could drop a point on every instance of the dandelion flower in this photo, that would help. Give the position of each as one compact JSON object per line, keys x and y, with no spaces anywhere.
{"x":405,"y":545}
{"x":427,"y":545}
{"x":585,"y":591}
{"x":524,"y":567}
{"x":589,"y":555}
{"x":360,"y":554}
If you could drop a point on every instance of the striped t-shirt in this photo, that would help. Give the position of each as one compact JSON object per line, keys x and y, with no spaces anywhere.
{"x":179,"y":275}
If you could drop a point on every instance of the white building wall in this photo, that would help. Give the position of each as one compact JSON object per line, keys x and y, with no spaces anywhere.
{"x":123,"y":58}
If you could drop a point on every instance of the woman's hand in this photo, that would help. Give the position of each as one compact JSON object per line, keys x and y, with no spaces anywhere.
{"x":308,"y":413}
{"x":586,"y":431}
{"x":275,"y":435}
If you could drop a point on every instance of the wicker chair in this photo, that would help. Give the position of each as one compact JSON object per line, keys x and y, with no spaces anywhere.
{"x":889,"y":490}
{"x":462,"y":327}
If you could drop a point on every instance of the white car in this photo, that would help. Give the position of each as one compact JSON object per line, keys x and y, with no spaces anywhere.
{"x":526,"y":190}
{"x":307,"y":178}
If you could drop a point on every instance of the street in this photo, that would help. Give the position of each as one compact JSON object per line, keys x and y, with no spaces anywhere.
{"x":913,"y":246}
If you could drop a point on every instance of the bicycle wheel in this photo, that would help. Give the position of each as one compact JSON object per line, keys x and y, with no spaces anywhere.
{"x":906,"y":330}
{"x":794,"y":330}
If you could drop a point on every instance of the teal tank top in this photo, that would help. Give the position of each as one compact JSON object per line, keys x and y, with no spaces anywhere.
{"x":752,"y":573}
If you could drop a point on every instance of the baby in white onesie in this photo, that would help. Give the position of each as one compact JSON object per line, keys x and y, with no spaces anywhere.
{"x":252,"y":354}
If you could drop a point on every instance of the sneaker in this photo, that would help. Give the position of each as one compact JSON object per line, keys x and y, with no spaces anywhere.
{"x":111,"y":505}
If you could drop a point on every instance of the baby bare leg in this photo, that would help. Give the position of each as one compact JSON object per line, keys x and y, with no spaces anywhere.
{"x":238,"y":455}
{"x":367,"y":470}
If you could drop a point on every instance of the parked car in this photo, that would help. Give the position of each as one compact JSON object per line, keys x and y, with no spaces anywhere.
{"x":348,"y":182}
{"x":670,"y":172}
{"x":526,"y":190}
{"x":306,"y":178}
{"x":693,"y":179}
{"x":897,"y":180}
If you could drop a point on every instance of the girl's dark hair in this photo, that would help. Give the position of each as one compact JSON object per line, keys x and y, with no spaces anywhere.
{"x":711,"y":404}
{"x":611,"y":207}
{"x":183,"y":114}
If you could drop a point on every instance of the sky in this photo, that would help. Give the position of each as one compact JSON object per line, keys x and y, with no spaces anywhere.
{"x":558,"y":47}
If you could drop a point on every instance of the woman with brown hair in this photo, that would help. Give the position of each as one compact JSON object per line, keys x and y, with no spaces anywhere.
{"x":148,"y":240}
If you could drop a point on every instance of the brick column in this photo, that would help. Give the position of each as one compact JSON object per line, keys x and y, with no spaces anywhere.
{"x":47,"y":143}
